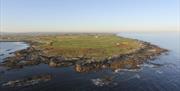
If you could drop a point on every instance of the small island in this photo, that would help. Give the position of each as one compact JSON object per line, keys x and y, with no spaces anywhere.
{"x":85,"y":51}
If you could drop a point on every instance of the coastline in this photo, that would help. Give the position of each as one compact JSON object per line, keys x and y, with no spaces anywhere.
{"x":34,"y":56}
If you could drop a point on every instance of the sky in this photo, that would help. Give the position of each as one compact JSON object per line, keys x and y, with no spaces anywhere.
{"x":89,"y":15}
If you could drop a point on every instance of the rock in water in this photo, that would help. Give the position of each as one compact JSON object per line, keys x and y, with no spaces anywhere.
{"x":28,"y":81}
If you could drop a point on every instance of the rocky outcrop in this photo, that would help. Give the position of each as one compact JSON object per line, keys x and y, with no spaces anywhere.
{"x":28,"y":81}
{"x":130,"y":60}
{"x":29,"y":56}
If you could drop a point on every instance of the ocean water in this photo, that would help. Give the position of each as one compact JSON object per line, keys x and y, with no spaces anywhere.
{"x":161,"y":74}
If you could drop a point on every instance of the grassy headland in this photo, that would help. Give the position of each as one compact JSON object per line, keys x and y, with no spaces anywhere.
{"x":78,"y":45}
{"x":80,"y":49}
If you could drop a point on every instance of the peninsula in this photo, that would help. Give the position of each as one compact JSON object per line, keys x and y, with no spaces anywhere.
{"x":59,"y":50}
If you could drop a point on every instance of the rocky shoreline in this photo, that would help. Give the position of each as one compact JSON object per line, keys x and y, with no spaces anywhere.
{"x":131,"y":60}
{"x":33,"y":56}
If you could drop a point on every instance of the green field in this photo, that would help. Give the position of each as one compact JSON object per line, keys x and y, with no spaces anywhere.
{"x":78,"y":45}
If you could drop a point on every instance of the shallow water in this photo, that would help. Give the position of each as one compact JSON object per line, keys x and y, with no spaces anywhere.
{"x":162,"y":74}
{"x":6,"y":48}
